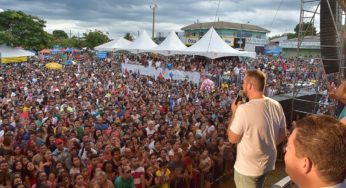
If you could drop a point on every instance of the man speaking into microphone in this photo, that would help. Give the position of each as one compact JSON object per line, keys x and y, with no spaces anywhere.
{"x":257,"y":127}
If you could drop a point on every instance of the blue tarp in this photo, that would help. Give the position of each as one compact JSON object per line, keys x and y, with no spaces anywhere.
{"x":273,"y":51}
{"x":101,"y":55}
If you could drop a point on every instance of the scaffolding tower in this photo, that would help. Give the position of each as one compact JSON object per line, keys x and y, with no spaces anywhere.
{"x":308,"y":11}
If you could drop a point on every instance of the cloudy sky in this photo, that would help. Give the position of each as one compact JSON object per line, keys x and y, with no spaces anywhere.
{"x":120,"y":16}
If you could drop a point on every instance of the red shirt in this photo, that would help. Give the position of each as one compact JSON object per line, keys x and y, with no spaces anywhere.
{"x":136,"y":174}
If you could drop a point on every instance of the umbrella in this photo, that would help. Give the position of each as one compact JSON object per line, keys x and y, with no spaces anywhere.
{"x":45,"y":51}
{"x":70,"y":62}
{"x":53,"y":66}
{"x":69,"y":50}
{"x":55,"y":51}
{"x":207,"y":85}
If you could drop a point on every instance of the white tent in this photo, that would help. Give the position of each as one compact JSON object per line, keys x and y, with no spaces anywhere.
{"x":8,"y":52}
{"x":143,"y":42}
{"x":113,"y":45}
{"x":211,"y":45}
{"x":170,"y":46}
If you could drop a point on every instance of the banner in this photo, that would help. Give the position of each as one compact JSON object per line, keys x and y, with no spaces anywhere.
{"x":167,"y":74}
{"x":191,"y":40}
{"x":14,"y":59}
{"x":229,"y":40}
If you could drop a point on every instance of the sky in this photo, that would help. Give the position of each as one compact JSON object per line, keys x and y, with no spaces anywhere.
{"x":117,"y":17}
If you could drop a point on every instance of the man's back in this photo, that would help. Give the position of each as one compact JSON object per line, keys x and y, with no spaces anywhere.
{"x":258,"y":122}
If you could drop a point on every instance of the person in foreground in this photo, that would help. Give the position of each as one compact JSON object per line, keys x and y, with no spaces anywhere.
{"x":315,"y":153}
{"x":257,"y":127}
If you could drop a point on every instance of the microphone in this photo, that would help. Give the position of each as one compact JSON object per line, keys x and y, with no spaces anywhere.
{"x":241,"y":97}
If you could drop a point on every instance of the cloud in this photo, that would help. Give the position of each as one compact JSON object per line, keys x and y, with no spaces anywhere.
{"x":120,"y":16}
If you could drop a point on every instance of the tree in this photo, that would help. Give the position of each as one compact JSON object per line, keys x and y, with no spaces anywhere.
{"x":20,"y":29}
{"x":292,"y":35}
{"x":76,"y":42}
{"x":60,"y":34}
{"x":94,"y":38}
{"x":128,"y":36}
{"x":308,"y":28}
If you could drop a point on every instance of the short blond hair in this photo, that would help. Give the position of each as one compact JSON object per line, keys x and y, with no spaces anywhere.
{"x":258,"y":77}
{"x":322,"y":139}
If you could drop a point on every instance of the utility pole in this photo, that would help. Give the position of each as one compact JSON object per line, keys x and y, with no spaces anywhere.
{"x":154,"y":7}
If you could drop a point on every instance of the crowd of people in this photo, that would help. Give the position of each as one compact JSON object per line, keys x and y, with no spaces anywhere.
{"x":89,"y":125}
{"x":281,"y":72}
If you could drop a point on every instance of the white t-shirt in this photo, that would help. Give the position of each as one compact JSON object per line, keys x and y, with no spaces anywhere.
{"x":150,"y":132}
{"x":258,"y":122}
{"x":158,"y":64}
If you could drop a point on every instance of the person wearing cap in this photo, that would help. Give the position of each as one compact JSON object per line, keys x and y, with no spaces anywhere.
{"x":61,"y":153}
{"x":125,"y":180}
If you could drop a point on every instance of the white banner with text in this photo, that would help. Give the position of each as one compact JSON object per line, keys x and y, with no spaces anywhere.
{"x":166,"y":73}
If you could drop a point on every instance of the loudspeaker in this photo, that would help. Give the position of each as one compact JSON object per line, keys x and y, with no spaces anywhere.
{"x":329,"y":48}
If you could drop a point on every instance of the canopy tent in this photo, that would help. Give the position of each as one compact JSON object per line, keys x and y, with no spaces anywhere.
{"x":170,"y":46}
{"x":8,"y":52}
{"x":142,"y":43}
{"x":115,"y":44}
{"x":211,"y":45}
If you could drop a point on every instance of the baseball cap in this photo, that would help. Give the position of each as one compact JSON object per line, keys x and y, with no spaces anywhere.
{"x":59,"y":141}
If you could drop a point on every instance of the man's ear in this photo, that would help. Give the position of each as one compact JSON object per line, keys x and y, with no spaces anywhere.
{"x":306,"y":165}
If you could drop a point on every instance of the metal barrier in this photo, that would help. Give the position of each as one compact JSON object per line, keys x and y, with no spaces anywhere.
{"x":283,"y":183}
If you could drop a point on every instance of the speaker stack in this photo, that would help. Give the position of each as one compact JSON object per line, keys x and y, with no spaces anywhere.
{"x":329,"y":45}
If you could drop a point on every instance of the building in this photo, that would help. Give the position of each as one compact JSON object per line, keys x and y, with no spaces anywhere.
{"x":310,"y":46}
{"x":237,"y":35}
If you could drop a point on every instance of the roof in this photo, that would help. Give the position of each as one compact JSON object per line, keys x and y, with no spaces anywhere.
{"x":306,"y":39}
{"x":225,"y":25}
{"x":143,"y":42}
{"x":114,"y":44}
{"x":169,"y":46}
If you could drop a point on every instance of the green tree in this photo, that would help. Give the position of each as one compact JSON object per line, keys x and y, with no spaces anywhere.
{"x":308,"y":28}
{"x":60,"y":34}
{"x":292,"y":35}
{"x":20,"y":29}
{"x":128,"y":36}
{"x":94,"y":38}
{"x":76,"y":42}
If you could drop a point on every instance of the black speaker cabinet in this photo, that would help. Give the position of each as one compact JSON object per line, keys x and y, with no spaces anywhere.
{"x":329,"y":49}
